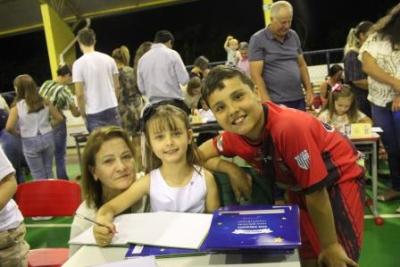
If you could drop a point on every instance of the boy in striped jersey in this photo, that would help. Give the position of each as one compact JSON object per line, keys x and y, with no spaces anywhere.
{"x":58,"y":93}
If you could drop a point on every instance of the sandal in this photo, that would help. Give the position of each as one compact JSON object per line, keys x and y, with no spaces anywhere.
{"x":389,"y":195}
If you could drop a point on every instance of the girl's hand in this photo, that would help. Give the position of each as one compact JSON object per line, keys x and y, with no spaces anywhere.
{"x":104,"y":234}
{"x":396,"y":103}
{"x":335,"y":256}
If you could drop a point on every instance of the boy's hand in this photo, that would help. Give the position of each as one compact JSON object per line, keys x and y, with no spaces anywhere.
{"x":240,"y":183}
{"x":335,"y":256}
{"x":103,"y":234}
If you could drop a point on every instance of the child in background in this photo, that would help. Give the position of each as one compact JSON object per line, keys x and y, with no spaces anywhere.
{"x":316,"y":165}
{"x":176,"y":182}
{"x":341,"y":108}
{"x":243,"y":62}
{"x":192,"y":93}
{"x":335,"y":75}
{"x":13,"y":247}
{"x":231,"y":46}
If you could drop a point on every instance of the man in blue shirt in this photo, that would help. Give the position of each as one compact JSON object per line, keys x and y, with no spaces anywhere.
{"x":277,"y":65}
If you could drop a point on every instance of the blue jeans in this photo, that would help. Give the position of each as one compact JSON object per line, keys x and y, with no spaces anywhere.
{"x":12,"y":147}
{"x":104,"y":118}
{"x":60,"y":148}
{"x":390,"y":123}
{"x":39,"y":153}
{"x":296,"y":104}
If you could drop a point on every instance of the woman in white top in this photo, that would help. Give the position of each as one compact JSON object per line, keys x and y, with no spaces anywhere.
{"x":380,"y":57}
{"x":32,"y":113}
{"x":108,"y":170}
{"x":176,"y":183}
{"x":13,"y":247}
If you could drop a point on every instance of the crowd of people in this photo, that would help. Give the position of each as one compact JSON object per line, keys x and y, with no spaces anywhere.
{"x":138,"y":118}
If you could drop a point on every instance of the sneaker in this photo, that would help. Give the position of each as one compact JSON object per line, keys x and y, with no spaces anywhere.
{"x":42,"y":218}
{"x":389,"y":195}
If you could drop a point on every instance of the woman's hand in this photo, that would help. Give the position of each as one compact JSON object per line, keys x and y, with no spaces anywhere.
{"x":335,"y":256}
{"x":104,"y":234}
{"x":396,"y":103}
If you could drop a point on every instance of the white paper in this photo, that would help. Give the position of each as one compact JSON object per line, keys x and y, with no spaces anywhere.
{"x":164,"y":229}
{"x":376,"y":130}
{"x":148,"y":261}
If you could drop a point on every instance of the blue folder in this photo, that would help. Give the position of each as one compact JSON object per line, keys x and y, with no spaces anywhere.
{"x":266,"y":229}
{"x":258,"y":227}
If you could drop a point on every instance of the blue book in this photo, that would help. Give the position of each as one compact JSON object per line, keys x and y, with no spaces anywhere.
{"x":255,"y":227}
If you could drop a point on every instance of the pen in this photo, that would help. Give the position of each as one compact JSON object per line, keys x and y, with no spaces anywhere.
{"x":95,"y":222}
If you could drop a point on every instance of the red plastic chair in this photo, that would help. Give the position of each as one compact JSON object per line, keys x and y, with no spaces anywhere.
{"x":51,"y":197}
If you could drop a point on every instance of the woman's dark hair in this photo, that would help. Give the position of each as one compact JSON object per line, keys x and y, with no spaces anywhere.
{"x":388,"y":27}
{"x":201,"y":62}
{"x":334,"y":69}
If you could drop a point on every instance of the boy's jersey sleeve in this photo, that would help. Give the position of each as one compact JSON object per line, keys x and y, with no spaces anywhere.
{"x":298,"y":146}
{"x":224,"y":144}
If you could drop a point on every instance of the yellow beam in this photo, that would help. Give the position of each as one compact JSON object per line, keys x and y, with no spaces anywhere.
{"x":267,"y":11}
{"x":58,"y":36}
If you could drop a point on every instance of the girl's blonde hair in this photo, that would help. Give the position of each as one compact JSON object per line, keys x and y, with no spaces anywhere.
{"x":342,"y":90}
{"x":163,"y":118}
{"x":26,"y":88}
{"x":353,"y":42}
{"x":122,"y":55}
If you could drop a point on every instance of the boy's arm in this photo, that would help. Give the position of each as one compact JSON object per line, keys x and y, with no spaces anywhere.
{"x":320,"y":210}
{"x":212,"y":197}
{"x":239,"y":180}
{"x":106,"y":213}
{"x":8,"y":187}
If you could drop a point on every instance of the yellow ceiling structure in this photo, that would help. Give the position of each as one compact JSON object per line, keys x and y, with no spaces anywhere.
{"x":21,"y":16}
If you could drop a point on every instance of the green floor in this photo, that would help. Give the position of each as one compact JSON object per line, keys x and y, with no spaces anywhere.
{"x":380,"y":245}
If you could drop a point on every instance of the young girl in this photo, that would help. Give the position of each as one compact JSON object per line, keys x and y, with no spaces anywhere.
{"x":192,"y":93}
{"x":176,"y":182}
{"x":342,"y":108}
{"x":335,"y":75}
{"x":32,"y":113}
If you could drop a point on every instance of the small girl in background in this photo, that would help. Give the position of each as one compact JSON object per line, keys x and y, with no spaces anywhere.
{"x":32,"y":113}
{"x":176,"y":182}
{"x":231,"y":47}
{"x":335,"y":75}
{"x":192,"y":93}
{"x":243,"y":62}
{"x":342,"y":108}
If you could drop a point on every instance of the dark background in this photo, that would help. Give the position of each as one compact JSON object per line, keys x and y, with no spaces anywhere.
{"x":200,"y":28}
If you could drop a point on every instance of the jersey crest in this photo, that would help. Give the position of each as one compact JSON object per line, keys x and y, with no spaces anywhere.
{"x":220,"y":143}
{"x":303,"y":160}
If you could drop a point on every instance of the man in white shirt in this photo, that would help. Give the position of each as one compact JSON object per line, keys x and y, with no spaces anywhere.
{"x":161,"y":72}
{"x":96,"y":81}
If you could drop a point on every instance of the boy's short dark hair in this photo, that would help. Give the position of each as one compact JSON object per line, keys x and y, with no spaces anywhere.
{"x":215,"y":80}
{"x":87,"y":37}
{"x":163,"y":36}
{"x":64,"y":70}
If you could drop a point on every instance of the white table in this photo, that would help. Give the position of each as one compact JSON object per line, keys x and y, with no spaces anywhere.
{"x":92,"y":255}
